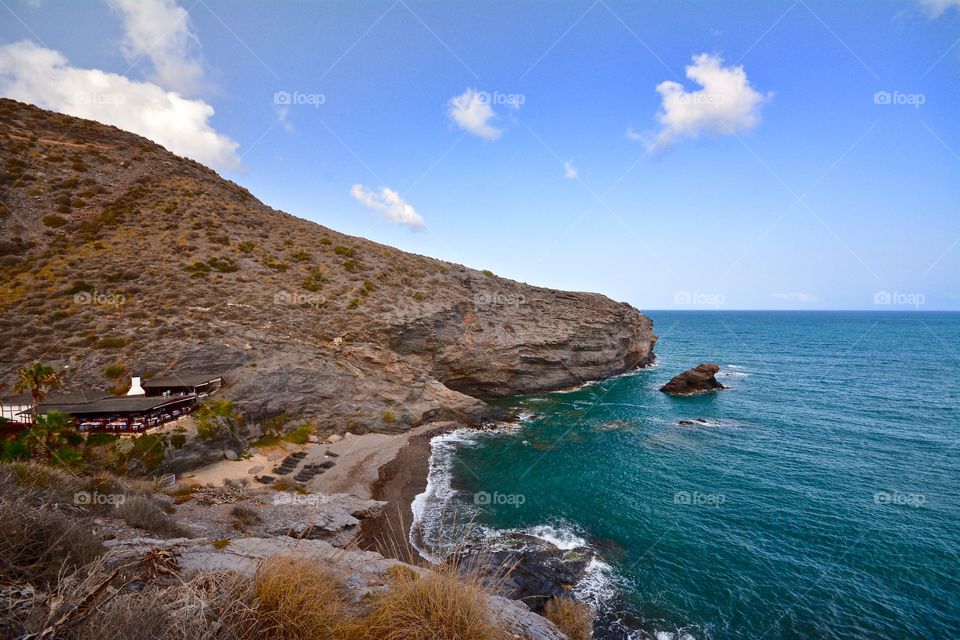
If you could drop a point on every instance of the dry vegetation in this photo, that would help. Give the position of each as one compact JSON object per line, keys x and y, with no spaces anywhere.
{"x":58,"y":580}
{"x":110,"y":241}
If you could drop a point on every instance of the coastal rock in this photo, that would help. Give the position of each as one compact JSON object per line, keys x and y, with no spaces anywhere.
{"x":365,"y":572}
{"x":539,"y":571}
{"x":317,"y":516}
{"x":699,"y":379}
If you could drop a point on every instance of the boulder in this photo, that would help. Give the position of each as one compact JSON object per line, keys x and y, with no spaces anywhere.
{"x":334,"y":438}
{"x":230,"y":454}
{"x":539,"y":569}
{"x":700,"y":379}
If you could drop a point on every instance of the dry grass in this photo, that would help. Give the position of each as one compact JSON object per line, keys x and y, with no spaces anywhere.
{"x":574,"y":618}
{"x":438,"y":604}
{"x":144,"y":513}
{"x":297,"y":599}
{"x":39,"y":541}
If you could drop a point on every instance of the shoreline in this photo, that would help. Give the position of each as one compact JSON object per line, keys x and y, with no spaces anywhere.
{"x":399,"y":481}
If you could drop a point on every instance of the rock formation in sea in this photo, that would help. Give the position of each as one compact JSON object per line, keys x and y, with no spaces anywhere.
{"x":700,"y":379}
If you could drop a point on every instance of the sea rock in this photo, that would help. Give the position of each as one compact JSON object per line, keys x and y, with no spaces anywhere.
{"x":699,"y":379}
{"x":539,"y":572}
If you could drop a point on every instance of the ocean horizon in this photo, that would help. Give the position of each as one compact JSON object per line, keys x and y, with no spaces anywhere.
{"x":816,"y":496}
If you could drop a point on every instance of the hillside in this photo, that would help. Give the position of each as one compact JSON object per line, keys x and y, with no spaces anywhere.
{"x":116,"y":252}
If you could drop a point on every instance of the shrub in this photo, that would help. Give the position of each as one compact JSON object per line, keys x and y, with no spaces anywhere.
{"x":574,"y":618}
{"x":354,"y":303}
{"x":115,"y":371}
{"x":314,"y":281}
{"x":223,"y":265}
{"x":419,"y":297}
{"x":55,"y":221}
{"x":301,"y":434}
{"x":273,"y":263}
{"x":38,"y":541}
{"x":439,"y":604}
{"x":302,"y":256}
{"x":144,"y":513}
{"x":216,"y":416}
{"x":325,"y":240}
{"x":298,"y":599}
{"x":487,"y":273}
{"x":346,"y":252}
{"x":245,"y":515}
{"x":388,"y":417}
{"x":198,"y":269}
{"x":247,"y":246}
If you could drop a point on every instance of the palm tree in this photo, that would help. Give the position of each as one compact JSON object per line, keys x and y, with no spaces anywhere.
{"x":38,"y":379}
{"x":47,"y":434}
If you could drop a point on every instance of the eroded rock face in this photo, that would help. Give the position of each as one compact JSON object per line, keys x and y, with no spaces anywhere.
{"x":298,"y":318}
{"x":699,"y":379}
{"x":539,"y":570}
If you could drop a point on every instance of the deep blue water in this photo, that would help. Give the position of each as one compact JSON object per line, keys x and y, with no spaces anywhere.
{"x":821,"y":500}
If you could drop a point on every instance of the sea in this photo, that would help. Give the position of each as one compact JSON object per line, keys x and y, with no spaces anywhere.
{"x":818,"y":497}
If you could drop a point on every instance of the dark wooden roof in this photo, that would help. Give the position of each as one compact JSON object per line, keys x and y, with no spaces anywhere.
{"x":180,"y":380}
{"x":121,"y":404}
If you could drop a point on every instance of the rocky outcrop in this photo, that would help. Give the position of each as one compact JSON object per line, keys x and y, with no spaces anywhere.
{"x":156,"y":262}
{"x":364,"y":572}
{"x":699,"y":379}
{"x":538,"y":569}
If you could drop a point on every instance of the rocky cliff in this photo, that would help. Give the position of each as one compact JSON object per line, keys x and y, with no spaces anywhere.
{"x":117,"y":253}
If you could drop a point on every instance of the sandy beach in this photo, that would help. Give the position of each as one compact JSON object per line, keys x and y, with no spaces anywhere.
{"x":391,"y":468}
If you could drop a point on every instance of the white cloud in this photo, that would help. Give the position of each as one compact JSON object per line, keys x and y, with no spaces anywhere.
{"x":725,"y":104}
{"x":160,"y":31}
{"x":936,"y":8}
{"x":44,"y":77}
{"x":388,"y":201}
{"x":471,"y":111}
{"x":797,"y":296}
{"x":569,"y":171}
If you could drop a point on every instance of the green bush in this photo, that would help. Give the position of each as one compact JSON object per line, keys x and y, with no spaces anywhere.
{"x":115,"y":371}
{"x":301,"y":434}
{"x":301,"y":256}
{"x":55,"y":221}
{"x":246,"y":246}
{"x":198,"y":269}
{"x":347,"y":252}
{"x":223,"y":265}
{"x":314,"y":281}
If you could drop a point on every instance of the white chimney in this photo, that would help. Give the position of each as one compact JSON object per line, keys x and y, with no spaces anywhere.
{"x":135,"y":388}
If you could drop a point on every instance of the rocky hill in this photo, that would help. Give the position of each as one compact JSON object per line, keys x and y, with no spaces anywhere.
{"x":115,"y":254}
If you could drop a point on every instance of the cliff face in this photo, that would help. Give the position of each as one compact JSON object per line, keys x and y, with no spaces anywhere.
{"x":116,"y":252}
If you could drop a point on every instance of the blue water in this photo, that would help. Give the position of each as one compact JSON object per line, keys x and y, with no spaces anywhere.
{"x":820,"y":500}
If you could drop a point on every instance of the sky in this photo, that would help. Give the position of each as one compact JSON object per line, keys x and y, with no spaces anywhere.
{"x":768,"y":154}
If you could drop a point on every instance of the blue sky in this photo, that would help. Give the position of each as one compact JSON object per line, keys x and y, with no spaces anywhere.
{"x":782,"y":183}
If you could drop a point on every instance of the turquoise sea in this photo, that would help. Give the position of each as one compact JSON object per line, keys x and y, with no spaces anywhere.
{"x":817,"y":498}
